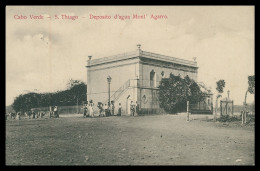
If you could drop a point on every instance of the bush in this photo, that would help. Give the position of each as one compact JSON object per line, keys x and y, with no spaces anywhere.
{"x":227,"y":118}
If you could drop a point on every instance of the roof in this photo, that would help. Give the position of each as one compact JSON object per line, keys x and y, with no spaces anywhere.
{"x":204,"y":88}
{"x":144,"y":54}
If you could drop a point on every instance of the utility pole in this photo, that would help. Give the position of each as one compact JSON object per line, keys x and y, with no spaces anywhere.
{"x":109,"y":81}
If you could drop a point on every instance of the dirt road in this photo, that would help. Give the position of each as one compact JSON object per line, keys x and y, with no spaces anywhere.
{"x":141,"y":140}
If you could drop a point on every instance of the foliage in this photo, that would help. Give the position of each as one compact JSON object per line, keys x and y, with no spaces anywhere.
{"x":220,"y":86}
{"x":251,"y":84}
{"x":227,"y":118}
{"x":174,"y":93}
{"x":76,"y":92}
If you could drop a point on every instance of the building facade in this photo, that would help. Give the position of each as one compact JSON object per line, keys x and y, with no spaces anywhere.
{"x":135,"y":76}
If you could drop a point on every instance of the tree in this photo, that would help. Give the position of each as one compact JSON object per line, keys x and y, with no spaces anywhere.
{"x":78,"y":90}
{"x":250,"y":89}
{"x":76,"y":93}
{"x":18,"y":103}
{"x":220,"y":89}
{"x":220,"y":86}
{"x":175,"y":91}
{"x":251,"y":86}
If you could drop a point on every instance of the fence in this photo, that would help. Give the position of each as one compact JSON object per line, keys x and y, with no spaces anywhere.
{"x":201,"y":108}
{"x":62,"y":109}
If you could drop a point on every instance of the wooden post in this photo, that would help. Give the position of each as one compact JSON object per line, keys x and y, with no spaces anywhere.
{"x":226,"y":107}
{"x":232,"y":107}
{"x":242,"y":117}
{"x":215,"y":113}
{"x":220,"y":107}
{"x":188,"y":111}
{"x":245,"y":116}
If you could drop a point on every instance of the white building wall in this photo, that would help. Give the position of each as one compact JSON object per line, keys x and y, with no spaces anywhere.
{"x":121,"y":72}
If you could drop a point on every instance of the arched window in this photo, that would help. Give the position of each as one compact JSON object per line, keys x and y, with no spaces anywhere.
{"x":152,"y":79}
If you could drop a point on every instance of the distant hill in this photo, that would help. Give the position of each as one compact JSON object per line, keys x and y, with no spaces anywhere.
{"x":238,"y":108}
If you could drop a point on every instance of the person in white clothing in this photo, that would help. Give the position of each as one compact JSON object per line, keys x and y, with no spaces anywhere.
{"x":91,"y":113}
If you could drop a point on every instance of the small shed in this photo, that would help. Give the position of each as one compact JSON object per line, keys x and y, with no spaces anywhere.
{"x":226,"y":106}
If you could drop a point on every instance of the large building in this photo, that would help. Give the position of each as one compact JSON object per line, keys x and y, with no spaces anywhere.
{"x":135,"y":76}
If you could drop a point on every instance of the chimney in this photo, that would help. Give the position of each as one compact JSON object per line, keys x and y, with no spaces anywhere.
{"x":89,"y":59}
{"x":139,"y":49}
{"x":138,"y":46}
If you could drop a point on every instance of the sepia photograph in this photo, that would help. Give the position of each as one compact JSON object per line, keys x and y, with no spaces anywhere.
{"x":130,"y":85}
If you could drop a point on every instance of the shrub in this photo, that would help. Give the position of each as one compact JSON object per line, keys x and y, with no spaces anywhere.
{"x":227,"y":118}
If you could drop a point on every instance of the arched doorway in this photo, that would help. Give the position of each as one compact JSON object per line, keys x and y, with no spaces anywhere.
{"x":152,"y":79}
{"x":128,"y":103}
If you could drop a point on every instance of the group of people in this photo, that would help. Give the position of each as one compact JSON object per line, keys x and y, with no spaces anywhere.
{"x":88,"y":110}
{"x":104,"y":110}
{"x":134,"y":108}
{"x":54,"y":111}
{"x":31,"y":114}
{"x":13,"y":115}
{"x":34,"y":115}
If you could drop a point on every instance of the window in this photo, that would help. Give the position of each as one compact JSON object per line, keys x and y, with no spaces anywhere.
{"x":163,"y":74}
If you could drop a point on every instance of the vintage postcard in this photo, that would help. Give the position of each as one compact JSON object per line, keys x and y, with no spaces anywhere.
{"x":130,"y":85}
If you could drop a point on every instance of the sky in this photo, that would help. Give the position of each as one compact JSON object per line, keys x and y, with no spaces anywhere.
{"x":43,"y":54}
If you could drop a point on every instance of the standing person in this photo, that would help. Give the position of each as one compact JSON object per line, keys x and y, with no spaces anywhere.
{"x":56,"y":111}
{"x":102,"y":110}
{"x":100,"y":107}
{"x":106,"y":112}
{"x":18,"y":115}
{"x":91,"y":110}
{"x":33,"y":113}
{"x":84,"y":110}
{"x":137,"y":108}
{"x":88,"y":109}
{"x":113,"y":109}
{"x":51,"y":111}
{"x":119,"y":109}
{"x":132,"y":108}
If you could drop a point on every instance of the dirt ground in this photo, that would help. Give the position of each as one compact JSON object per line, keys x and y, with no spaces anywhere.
{"x":139,"y":140}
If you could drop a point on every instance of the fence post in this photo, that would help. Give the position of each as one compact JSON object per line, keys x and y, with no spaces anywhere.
{"x":245,"y":116}
{"x":232,"y":107}
{"x":242,"y":117}
{"x":188,"y":111}
{"x":220,"y":108}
